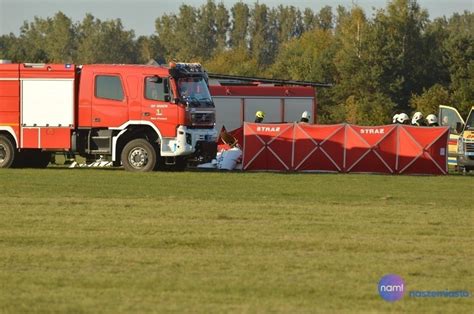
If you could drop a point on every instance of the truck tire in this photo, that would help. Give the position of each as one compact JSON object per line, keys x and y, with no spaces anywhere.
{"x":7,"y":152}
{"x":139,"y":155}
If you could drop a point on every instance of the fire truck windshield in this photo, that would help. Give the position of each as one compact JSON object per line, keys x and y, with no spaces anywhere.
{"x":194,"y":92}
{"x":470,"y":121}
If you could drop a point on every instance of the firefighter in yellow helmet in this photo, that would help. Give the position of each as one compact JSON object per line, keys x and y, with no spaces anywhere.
{"x":259,"y":115}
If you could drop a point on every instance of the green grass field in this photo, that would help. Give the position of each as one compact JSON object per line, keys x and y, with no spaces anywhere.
{"x":108,"y":241}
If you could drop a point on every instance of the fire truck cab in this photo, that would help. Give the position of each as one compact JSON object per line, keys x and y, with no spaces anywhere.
{"x":140,"y":116}
{"x":461,"y":140}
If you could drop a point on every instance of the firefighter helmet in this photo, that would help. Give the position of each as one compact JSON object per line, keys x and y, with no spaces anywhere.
{"x":305,"y":117}
{"x":260,"y":114}
{"x":403,"y":118}
{"x":417,"y":118}
{"x":432,"y":120}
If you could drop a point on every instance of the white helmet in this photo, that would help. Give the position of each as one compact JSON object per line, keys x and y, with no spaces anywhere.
{"x":395,"y":117}
{"x":417,"y":118}
{"x":403,"y":118}
{"x":431,"y":119}
{"x":305,"y":117}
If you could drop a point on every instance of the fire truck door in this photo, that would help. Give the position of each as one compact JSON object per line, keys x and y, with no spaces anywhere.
{"x":156,"y":105}
{"x":449,"y":116}
{"x":109,"y":102}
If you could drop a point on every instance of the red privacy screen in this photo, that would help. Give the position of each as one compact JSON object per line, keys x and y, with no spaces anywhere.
{"x":391,"y":149}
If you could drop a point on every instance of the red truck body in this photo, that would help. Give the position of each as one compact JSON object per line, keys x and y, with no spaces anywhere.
{"x":236,"y":104}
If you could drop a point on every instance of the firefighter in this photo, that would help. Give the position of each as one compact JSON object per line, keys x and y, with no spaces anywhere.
{"x":305,"y":117}
{"x":418,"y":119}
{"x":259,"y":115}
{"x":403,"y":118}
{"x":432,"y":120}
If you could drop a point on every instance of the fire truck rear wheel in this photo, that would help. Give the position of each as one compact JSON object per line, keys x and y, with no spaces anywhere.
{"x":139,"y":155}
{"x":7,"y":152}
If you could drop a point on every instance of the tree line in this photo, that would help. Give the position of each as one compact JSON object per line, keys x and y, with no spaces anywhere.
{"x":397,"y":60}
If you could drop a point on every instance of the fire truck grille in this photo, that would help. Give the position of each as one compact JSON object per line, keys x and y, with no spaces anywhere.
{"x":203,"y":118}
{"x":469,"y":147}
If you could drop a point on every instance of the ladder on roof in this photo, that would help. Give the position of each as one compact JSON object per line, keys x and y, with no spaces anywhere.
{"x":267,"y":80}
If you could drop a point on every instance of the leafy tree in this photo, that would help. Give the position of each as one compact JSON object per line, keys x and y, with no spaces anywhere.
{"x":309,"y":58}
{"x":240,"y":23}
{"x":237,"y":61}
{"x":357,"y":72}
{"x":105,"y":42}
{"x":325,"y":18}
{"x":150,"y":48}
{"x":435,"y":70}
{"x":290,"y":23}
{"x":341,"y":13}
{"x":88,"y":39}
{"x":165,"y":27}
{"x":32,"y":39}
{"x":222,"y":26}
{"x":118,"y":44}
{"x":262,"y":39}
{"x":179,"y":34}
{"x":309,"y":20}
{"x":186,"y":35}
{"x":60,"y":42}
{"x":430,"y":99}
{"x":459,"y":59}
{"x":397,"y":43}
{"x":369,"y":109}
{"x":11,"y":48}
{"x":206,"y":30}
{"x":44,"y":40}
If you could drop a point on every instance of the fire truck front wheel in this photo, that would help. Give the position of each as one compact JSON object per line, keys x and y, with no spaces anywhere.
{"x":7,"y":152}
{"x":139,"y":155}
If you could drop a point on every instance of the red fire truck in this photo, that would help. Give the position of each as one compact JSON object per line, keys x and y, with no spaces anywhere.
{"x":238,"y":98}
{"x":139,"y":116}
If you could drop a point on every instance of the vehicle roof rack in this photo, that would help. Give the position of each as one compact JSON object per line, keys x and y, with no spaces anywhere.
{"x":267,"y":80}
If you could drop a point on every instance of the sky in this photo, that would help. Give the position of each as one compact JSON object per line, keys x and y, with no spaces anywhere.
{"x":140,"y":15}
